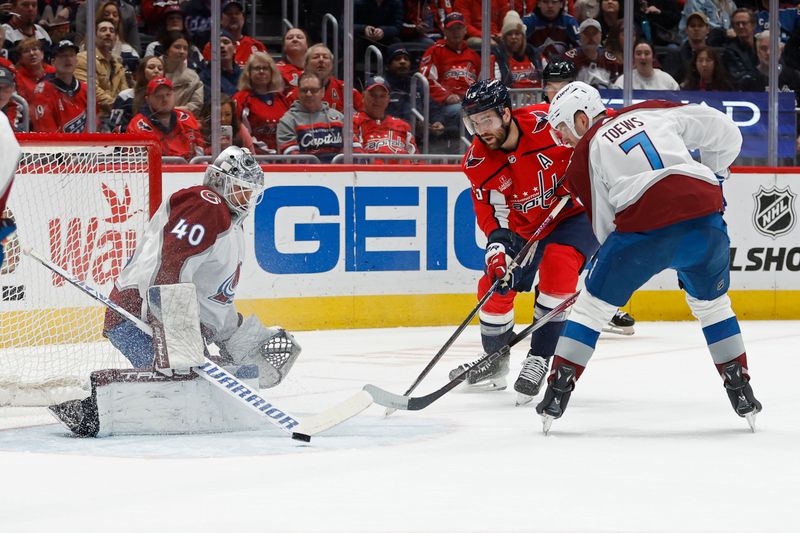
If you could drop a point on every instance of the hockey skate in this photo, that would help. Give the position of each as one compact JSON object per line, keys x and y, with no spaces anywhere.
{"x":557,"y":396}
{"x":530,"y":379}
{"x":79,"y":416}
{"x":485,"y":374}
{"x":621,"y":324}
{"x":741,"y":393}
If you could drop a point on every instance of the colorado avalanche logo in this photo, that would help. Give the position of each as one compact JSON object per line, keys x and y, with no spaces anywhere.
{"x":472,"y":162}
{"x":541,"y":121}
{"x":227,"y":290}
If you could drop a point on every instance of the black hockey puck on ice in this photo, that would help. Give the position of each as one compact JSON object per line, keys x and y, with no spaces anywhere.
{"x":301,"y":437}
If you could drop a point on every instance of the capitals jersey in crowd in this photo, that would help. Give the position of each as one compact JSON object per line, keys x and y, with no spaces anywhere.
{"x":244,"y":48}
{"x":517,"y":72}
{"x":260,"y":113}
{"x":58,"y":107}
{"x":449,"y":71}
{"x":654,"y":182}
{"x":334,"y":95}
{"x":190,"y":239}
{"x":516,"y":189}
{"x":181,"y":137}
{"x":289,"y":73}
{"x":388,"y":136}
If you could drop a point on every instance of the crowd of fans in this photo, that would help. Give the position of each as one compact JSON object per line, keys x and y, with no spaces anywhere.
{"x":153,"y":71}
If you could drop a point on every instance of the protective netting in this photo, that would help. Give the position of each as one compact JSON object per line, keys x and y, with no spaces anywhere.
{"x":84,"y":207}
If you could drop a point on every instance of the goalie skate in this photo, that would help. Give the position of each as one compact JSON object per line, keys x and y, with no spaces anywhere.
{"x":621,"y":324}
{"x":529,"y":382}
{"x":483,"y":374}
{"x":740,"y":393}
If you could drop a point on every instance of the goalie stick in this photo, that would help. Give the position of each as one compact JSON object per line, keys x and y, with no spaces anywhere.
{"x":406,"y":403}
{"x":227,"y":382}
{"x":523,"y":253}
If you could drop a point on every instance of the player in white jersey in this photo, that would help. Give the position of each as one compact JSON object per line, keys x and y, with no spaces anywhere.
{"x":8,"y":166}
{"x":195,"y":237}
{"x":652,"y":207}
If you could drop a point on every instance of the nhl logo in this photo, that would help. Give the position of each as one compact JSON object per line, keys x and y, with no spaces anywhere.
{"x":774,"y":212}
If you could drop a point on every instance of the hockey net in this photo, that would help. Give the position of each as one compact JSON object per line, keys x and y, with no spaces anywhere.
{"x":81,"y":201}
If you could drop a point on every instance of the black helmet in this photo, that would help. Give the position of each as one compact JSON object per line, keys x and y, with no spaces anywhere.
{"x":484,"y":95}
{"x":560,"y":70}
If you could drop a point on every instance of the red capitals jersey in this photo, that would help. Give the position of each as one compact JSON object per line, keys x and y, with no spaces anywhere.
{"x":260,"y":114}
{"x":244,"y":49}
{"x":27,"y":80}
{"x":450,"y":71}
{"x":388,"y":136}
{"x":334,"y":95}
{"x":58,"y":108}
{"x":289,"y":73}
{"x":600,"y":73}
{"x":522,"y":73}
{"x":516,"y":189}
{"x":181,"y":138}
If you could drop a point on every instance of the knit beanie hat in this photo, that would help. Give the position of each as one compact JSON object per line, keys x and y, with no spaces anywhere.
{"x":512,"y":21}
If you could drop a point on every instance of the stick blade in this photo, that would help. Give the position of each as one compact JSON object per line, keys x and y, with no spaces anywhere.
{"x":335,"y":415}
{"x":388,"y":399}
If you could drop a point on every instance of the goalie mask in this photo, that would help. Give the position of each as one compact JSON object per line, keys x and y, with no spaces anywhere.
{"x":238,"y":179}
{"x":574,"y":97}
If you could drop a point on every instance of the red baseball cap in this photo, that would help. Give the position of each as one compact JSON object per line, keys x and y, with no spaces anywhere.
{"x":155,"y":83}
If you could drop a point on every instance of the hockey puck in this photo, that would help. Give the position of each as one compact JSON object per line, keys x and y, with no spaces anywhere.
{"x":301,"y":437}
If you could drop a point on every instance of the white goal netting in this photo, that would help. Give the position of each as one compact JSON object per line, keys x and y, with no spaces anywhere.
{"x":83,"y":206}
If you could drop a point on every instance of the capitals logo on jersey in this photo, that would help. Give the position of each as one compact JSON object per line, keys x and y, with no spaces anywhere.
{"x":227,"y":290}
{"x":541,"y":121}
{"x":470,"y":161}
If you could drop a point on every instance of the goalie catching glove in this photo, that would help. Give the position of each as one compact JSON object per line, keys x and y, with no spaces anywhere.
{"x":503,"y":245}
{"x":272,"y":350}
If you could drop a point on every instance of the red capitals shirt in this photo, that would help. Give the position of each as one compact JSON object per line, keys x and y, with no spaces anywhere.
{"x":260,"y":114}
{"x":334,"y":95}
{"x":516,"y":189}
{"x":244,"y":49}
{"x":449,"y":71}
{"x":59,"y":108}
{"x":27,"y":80}
{"x":522,"y":72}
{"x":182,"y":138}
{"x":388,"y":136}
{"x":289,"y":73}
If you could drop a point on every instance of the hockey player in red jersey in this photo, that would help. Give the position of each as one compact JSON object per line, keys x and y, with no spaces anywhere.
{"x":59,"y":101}
{"x":177,"y":129}
{"x":378,"y":132}
{"x":516,"y":171}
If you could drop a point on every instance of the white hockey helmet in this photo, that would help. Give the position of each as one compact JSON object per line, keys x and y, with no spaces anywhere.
{"x":573,"y":97}
{"x":234,"y":170}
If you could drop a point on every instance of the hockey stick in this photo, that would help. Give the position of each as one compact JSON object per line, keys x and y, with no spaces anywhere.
{"x":519,"y":258}
{"x":406,"y":403}
{"x":225,"y":381}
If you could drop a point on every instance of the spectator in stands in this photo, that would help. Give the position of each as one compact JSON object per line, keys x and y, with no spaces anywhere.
{"x":232,"y":21}
{"x":515,"y":60}
{"x":59,"y":28}
{"x":377,"y":132}
{"x":130,"y":101}
{"x":615,"y":42}
{"x":586,"y":9}
{"x":424,"y":20}
{"x":740,"y":55}
{"x":718,"y":14}
{"x":788,"y":78}
{"x":30,"y":67}
{"x":154,"y":13}
{"x":173,"y":20}
{"x":551,"y":28}
{"x":293,"y":61}
{"x":662,"y":17}
{"x":450,"y":67}
{"x":230,"y":71}
{"x":398,"y":74}
{"x":177,"y":129}
{"x":109,"y":10}
{"x":233,"y":131}
{"x":59,"y":101}
{"x":319,"y":60}
{"x":311,"y":126}
{"x":128,"y":23}
{"x":109,"y":72}
{"x":197,"y":21}
{"x":676,"y":63}
{"x":596,"y":66}
{"x":185,"y":82}
{"x":3,"y":52}
{"x":376,"y":22}
{"x":791,"y":64}
{"x":610,"y":15}
{"x":706,"y":72}
{"x":788,"y":17}
{"x":645,"y":76}
{"x":7,"y":105}
{"x":21,"y":26}
{"x":473,"y":16}
{"x":260,"y":102}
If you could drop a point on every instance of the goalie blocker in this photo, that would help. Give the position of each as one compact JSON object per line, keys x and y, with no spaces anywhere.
{"x":171,"y":398}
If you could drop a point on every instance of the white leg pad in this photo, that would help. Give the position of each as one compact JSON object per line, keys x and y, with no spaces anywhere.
{"x":146,"y":402}
{"x":172,"y":312}
{"x":711,"y":311}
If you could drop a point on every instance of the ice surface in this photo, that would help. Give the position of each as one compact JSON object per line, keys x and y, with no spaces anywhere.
{"x":649,"y":443}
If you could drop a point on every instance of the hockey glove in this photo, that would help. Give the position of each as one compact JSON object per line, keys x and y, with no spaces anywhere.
{"x":499,"y":260}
